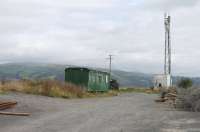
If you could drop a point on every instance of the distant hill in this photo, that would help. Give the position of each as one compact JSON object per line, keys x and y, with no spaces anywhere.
{"x":15,"y":71}
{"x":31,"y":71}
{"x":133,"y":78}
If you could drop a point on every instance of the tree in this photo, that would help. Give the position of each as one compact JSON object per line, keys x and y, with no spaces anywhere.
{"x":185,"y":83}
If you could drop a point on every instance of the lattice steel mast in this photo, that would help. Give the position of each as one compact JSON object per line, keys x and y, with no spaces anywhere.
{"x":167,"y":66}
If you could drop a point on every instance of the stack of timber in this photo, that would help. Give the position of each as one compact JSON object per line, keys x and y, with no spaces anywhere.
{"x":7,"y":104}
{"x":4,"y":105}
{"x":169,"y":96}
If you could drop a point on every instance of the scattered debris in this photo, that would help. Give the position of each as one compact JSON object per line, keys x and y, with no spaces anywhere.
{"x":15,"y":114}
{"x":4,"y":105}
{"x":161,"y":100}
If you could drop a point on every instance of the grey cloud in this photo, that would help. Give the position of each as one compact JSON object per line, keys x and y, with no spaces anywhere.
{"x":167,"y":5}
{"x":84,"y":33}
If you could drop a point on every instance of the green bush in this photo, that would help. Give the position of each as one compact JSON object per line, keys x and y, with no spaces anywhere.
{"x":185,"y":83}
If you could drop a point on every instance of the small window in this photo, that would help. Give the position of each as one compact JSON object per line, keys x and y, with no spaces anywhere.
{"x":94,"y":78}
{"x":100,"y":79}
{"x":91,"y":78}
{"x":106,"y":79}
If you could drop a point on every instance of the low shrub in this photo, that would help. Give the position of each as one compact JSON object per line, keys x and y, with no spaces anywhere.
{"x":185,"y":83}
{"x":189,"y":99}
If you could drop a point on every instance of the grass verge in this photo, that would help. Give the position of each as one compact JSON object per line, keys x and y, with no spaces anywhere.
{"x":51,"y":88}
{"x":139,"y":90}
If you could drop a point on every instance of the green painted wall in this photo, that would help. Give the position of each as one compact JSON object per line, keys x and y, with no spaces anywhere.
{"x":98,"y":81}
{"x":77,"y":76}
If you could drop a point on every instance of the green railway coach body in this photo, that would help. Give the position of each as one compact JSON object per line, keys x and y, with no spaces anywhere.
{"x":92,"y":80}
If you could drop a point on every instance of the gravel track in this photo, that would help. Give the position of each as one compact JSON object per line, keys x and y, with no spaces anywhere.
{"x":125,"y":113}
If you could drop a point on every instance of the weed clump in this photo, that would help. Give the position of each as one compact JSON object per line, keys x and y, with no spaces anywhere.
{"x":50,"y":88}
{"x":189,"y":99}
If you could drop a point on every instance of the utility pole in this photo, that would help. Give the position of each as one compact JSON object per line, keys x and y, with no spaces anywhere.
{"x":110,"y":64}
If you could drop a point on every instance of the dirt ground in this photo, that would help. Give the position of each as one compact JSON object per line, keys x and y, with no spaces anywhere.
{"x":131,"y":112}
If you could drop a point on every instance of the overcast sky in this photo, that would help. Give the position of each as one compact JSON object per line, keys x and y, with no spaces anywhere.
{"x":84,"y":32}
